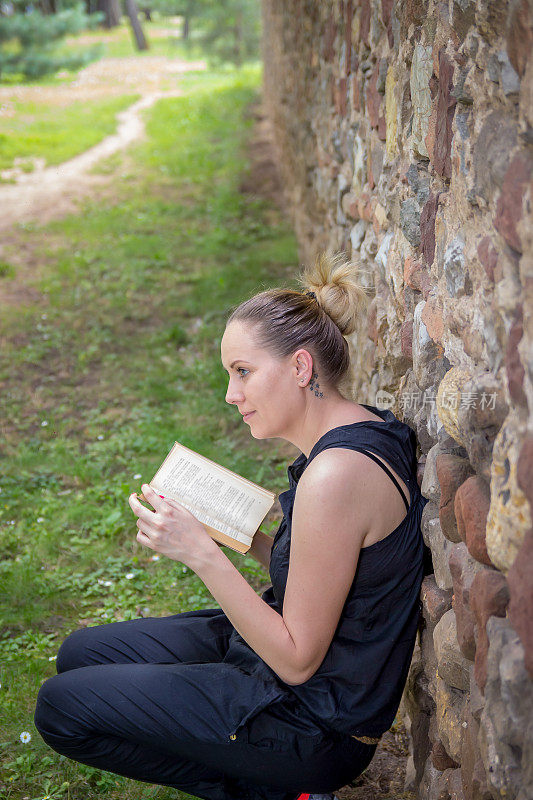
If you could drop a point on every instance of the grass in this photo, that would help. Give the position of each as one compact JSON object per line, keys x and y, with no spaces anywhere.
{"x":117,"y":358}
{"x":56,"y":133}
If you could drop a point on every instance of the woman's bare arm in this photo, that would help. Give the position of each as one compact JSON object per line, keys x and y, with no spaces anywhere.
{"x":330,"y":519}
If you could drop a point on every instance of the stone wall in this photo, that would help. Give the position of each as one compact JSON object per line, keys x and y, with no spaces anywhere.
{"x":405,"y":132}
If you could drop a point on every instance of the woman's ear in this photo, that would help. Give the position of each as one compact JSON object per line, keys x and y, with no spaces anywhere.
{"x":303,"y":362}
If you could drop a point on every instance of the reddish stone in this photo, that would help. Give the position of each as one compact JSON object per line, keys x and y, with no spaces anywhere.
{"x":330,"y":33}
{"x":445,"y":114}
{"x":452,"y":471}
{"x":340,"y":97}
{"x":356,"y":91}
{"x":435,"y":601}
{"x":427,"y":227}
{"x":373,"y":99}
{"x":519,"y":35}
{"x":521,"y":602}
{"x":432,"y":317}
{"x":489,"y":597}
{"x":513,"y":365}
{"x":364,"y":21}
{"x":348,"y":35}
{"x":463,"y":570}
{"x":382,"y":128}
{"x":406,"y":335}
{"x":509,"y":207}
{"x":524,"y":469}
{"x":449,"y":786}
{"x":440,"y":758}
{"x":386,"y":13}
{"x":488,"y":257}
{"x":472,"y":501}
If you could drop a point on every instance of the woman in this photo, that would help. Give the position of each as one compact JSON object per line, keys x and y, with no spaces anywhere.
{"x":278,"y":696}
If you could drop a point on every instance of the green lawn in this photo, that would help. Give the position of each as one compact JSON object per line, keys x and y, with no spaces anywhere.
{"x":56,"y":133}
{"x":116,"y":359}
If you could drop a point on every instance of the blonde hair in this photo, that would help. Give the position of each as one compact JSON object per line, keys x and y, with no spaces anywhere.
{"x":286,"y":319}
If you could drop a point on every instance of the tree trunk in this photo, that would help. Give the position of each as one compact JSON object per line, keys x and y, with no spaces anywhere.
{"x":133,"y":14}
{"x":111,"y":9}
{"x":185,"y":27}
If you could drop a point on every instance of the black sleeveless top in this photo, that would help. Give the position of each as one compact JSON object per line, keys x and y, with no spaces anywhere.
{"x":359,"y":684}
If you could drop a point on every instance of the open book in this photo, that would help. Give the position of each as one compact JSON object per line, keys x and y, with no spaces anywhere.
{"x":231,"y":507}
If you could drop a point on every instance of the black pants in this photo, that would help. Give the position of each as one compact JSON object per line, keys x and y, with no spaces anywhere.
{"x":127,"y":698}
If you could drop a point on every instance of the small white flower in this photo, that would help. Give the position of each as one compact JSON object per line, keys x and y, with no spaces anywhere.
{"x":44,"y":316}
{"x":104,"y":583}
{"x":25,"y":737}
{"x":129,"y":576}
{"x":44,"y":423}
{"x":155,"y":558}
{"x":184,"y":569}
{"x":52,"y":658}
{"x":40,"y":519}
{"x":137,"y":476}
{"x":100,"y":436}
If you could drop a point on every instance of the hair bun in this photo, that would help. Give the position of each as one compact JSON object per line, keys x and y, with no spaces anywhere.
{"x":333,"y":282}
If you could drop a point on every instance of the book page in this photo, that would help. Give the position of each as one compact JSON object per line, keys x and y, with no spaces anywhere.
{"x":214,"y":494}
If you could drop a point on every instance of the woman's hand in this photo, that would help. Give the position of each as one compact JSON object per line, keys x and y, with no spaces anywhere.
{"x":171,"y":530}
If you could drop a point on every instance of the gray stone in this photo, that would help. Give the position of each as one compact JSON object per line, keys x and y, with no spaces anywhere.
{"x":430,"y":483}
{"x":453,"y":666}
{"x":383,"y":252}
{"x":506,"y":725}
{"x":450,"y":704}
{"x":454,"y":267}
{"x":495,"y":141}
{"x":428,"y":364}
{"x":357,"y":233}
{"x":410,"y":221}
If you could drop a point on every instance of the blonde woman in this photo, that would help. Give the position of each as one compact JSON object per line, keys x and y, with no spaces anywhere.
{"x":281,"y":696}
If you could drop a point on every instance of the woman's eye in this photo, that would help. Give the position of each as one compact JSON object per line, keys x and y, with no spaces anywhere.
{"x":241,"y":370}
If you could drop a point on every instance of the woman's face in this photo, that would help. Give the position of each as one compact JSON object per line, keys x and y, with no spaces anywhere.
{"x":260,"y":385}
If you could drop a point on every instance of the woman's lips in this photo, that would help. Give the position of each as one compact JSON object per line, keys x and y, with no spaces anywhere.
{"x":246,"y":417}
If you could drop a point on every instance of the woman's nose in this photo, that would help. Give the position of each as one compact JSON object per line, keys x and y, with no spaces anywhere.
{"x":234,"y":393}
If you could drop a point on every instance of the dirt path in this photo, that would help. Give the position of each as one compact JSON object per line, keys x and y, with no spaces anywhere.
{"x":50,"y":192}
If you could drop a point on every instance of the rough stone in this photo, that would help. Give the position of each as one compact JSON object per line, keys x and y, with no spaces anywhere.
{"x":488,"y":257}
{"x":428,"y":364}
{"x":472,"y":771}
{"x":440,"y":758}
{"x":519,"y":34}
{"x":454,"y":267}
{"x":427,"y":227}
{"x":432,"y":317}
{"x":509,"y":207}
{"x":421,"y":71}
{"x":509,"y":516}
{"x":489,"y":596}
{"x":513,"y":364}
{"x":519,"y":579}
{"x":451,"y":472}
{"x":444,"y":118}
{"x":496,"y":139}
{"x":439,"y":545}
{"x":410,"y":221}
{"x":430,"y":483}
{"x":506,"y":728}
{"x":435,"y":601}
{"x":480,"y":419}
{"x":391,"y":113}
{"x":463,"y":570}
{"x":450,"y":709}
{"x":452,"y":665}
{"x":471,"y":505}
{"x":448,"y":402}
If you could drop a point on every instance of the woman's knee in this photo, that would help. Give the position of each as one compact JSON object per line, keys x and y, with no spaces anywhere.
{"x":75,"y":651}
{"x":48,"y":717}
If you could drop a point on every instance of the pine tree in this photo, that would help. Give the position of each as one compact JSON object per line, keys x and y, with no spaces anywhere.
{"x":29,"y":37}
